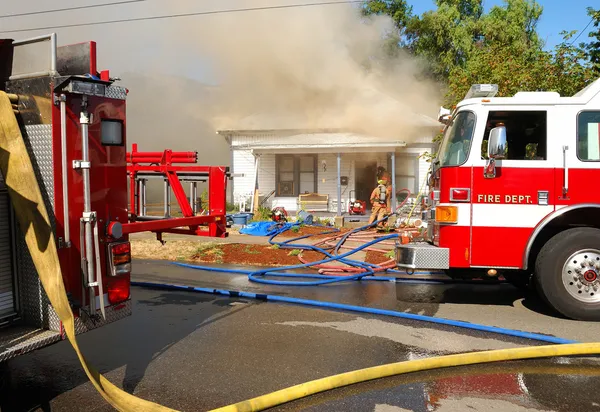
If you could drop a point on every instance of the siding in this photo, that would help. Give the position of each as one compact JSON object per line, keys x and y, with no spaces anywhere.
{"x":423,"y":170}
{"x":243,"y":162}
{"x":408,"y":163}
{"x":266,"y":174}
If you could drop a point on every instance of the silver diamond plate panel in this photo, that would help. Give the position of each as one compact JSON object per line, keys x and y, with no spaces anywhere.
{"x":38,"y":139}
{"x":37,"y":311}
{"x":113,"y":313}
{"x":422,"y":256}
{"x":15,"y":341}
{"x":116,"y":92}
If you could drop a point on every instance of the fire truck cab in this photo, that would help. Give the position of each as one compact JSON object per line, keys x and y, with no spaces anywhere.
{"x":513,"y":192}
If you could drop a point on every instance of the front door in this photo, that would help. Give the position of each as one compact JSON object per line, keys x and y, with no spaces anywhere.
{"x":505,"y":209}
{"x":366,"y":180}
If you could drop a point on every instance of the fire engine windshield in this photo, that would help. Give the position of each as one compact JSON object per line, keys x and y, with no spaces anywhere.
{"x":457,"y":140}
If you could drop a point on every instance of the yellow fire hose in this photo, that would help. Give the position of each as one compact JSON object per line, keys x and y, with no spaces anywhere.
{"x":32,"y":216}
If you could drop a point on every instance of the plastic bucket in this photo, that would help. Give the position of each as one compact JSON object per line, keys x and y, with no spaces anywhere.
{"x":304,"y":217}
{"x":240,"y":219}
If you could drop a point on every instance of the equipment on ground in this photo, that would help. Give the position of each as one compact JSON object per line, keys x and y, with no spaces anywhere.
{"x":356,"y":206}
{"x":511,"y":195}
{"x":279,"y":214}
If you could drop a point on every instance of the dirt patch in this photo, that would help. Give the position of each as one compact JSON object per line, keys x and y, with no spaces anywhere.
{"x":377,"y":257}
{"x":259,"y":255}
{"x":211,"y":252}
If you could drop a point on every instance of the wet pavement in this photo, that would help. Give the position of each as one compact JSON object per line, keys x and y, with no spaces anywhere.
{"x":196,"y":352}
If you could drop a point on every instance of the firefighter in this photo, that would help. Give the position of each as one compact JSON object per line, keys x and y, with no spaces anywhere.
{"x":381,"y":202}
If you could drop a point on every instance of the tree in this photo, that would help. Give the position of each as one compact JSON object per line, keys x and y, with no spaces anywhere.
{"x":444,"y":37}
{"x":513,"y":26}
{"x":563,"y":70}
{"x":398,"y":10}
{"x":448,"y":36}
{"x":593,"y":48}
{"x":463,"y":46}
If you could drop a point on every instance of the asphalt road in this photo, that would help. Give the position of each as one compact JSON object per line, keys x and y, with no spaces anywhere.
{"x":196,"y":352}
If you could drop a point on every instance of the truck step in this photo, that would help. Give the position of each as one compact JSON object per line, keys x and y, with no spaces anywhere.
{"x":17,"y":340}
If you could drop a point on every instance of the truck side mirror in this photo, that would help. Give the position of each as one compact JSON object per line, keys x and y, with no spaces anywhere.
{"x":496,"y":150}
{"x":497,"y":143}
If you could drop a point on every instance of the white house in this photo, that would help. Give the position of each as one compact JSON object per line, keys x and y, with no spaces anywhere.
{"x":314,"y":168}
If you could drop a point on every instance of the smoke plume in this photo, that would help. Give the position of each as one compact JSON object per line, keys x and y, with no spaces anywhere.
{"x":309,"y":67}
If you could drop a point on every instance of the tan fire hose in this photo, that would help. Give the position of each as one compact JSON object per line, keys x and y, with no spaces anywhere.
{"x":32,"y":216}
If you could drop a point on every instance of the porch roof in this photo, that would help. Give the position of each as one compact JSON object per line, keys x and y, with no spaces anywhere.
{"x":329,"y":140}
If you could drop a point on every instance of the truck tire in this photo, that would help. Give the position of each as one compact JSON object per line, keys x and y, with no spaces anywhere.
{"x":567,"y":273}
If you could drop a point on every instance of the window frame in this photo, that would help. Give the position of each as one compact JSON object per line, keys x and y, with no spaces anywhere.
{"x":108,"y":120}
{"x":577,"y":135}
{"x":447,"y":137}
{"x":485,"y":137}
{"x":296,"y":172}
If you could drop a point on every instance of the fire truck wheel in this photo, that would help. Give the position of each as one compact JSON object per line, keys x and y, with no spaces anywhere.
{"x":567,"y":273}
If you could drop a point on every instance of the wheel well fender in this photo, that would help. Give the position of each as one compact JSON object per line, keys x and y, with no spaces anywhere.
{"x":585,"y":214}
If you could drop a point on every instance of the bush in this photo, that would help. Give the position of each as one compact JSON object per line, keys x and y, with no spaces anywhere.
{"x":261,"y":214}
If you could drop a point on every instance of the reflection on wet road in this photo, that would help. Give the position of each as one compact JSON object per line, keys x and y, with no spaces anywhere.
{"x":195,"y":352}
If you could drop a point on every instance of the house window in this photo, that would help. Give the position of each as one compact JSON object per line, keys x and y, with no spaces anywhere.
{"x":296,"y":174}
{"x":588,"y":136}
{"x":406,"y":172}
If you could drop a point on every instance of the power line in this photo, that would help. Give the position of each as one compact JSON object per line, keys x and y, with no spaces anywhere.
{"x":91,"y":6}
{"x":201,"y":13}
{"x":581,"y":32}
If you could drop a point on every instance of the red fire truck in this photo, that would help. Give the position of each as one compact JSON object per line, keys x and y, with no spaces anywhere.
{"x":72,"y":119}
{"x":512,"y":192}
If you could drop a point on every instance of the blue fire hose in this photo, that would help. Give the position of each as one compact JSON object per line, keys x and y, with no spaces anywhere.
{"x":360,"y":309}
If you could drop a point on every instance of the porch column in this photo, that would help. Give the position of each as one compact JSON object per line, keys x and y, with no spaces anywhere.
{"x":254,"y":200}
{"x":393,"y":173}
{"x":339,"y":184}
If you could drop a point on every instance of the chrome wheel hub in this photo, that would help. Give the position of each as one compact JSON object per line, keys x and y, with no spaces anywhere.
{"x":581,"y":275}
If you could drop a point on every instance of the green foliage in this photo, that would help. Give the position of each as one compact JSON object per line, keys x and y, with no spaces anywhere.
{"x":593,"y":48}
{"x":295,"y":228}
{"x":204,"y":199}
{"x":294,"y":252}
{"x":231,"y":207}
{"x":564,"y":70}
{"x":462,"y":46}
{"x":398,"y":10}
{"x":261,"y":214}
{"x":391,"y":254}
